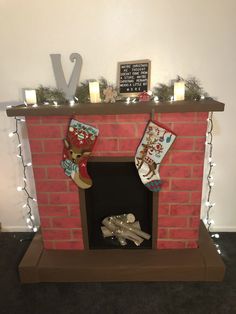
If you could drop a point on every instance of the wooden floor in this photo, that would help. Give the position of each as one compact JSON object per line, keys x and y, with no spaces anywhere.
{"x":201,"y":264}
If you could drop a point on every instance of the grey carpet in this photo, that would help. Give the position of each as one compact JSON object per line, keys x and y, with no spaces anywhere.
{"x":127,"y":298}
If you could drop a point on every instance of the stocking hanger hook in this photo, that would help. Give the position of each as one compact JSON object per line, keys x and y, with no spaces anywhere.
{"x":152,"y":114}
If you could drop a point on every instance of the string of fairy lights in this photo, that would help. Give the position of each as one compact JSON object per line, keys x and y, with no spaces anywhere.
{"x":210,"y":183}
{"x":29,"y":200}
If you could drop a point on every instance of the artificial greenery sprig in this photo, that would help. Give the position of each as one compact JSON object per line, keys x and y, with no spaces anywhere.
{"x":82,"y":91}
{"x":48,"y":94}
{"x":193,"y":89}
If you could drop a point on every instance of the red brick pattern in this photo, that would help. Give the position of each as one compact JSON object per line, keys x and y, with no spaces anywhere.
{"x":181,"y":172}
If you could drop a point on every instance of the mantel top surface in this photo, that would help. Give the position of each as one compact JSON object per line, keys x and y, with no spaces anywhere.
{"x":116,"y":108}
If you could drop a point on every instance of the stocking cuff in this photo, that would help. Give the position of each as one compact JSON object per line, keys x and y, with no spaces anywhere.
{"x":154,"y":185}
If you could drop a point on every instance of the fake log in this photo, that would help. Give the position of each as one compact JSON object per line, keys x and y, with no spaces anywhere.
{"x":107,"y":233}
{"x":124,"y":227}
{"x":129,"y":227}
{"x":119,"y":232}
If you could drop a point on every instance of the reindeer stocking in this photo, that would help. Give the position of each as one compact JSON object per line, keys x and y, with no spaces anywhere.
{"x":78,"y":147}
{"x":154,"y":145}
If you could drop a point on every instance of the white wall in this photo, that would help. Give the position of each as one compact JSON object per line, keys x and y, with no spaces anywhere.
{"x":183,"y":37}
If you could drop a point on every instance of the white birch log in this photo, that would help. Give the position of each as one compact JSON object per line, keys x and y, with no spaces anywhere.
{"x":120,"y":232}
{"x":129,"y":227}
{"x":107,"y":233}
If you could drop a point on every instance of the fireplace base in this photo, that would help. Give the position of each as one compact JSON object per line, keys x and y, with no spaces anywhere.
{"x":201,"y":264}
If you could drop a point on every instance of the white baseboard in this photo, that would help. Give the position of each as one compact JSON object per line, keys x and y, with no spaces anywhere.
{"x":15,"y":229}
{"x":223,"y":229}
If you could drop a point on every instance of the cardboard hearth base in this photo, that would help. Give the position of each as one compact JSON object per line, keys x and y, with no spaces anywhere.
{"x":201,"y":264}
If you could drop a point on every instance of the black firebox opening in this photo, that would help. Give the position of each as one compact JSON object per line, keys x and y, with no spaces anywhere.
{"x":117,"y":189}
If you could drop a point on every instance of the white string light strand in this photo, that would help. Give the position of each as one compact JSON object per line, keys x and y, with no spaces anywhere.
{"x":209,"y":204}
{"x":209,"y":139}
{"x":30,"y":220}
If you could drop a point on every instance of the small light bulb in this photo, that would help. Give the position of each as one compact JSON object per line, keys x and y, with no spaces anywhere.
{"x":134,"y":100}
{"x":30,"y":227}
{"x":19,"y":145}
{"x":9,"y":106}
{"x":25,"y":103}
{"x":207,"y":203}
{"x":55,"y":103}
{"x":25,"y":180}
{"x":149,"y":93}
{"x":28,"y":220}
{"x":29,"y":164}
{"x":72,"y":103}
{"x":34,"y":199}
{"x":202,"y":97}
{"x":156,"y":99}
{"x":76,"y":98}
{"x":32,"y":217}
{"x":19,"y":188}
{"x":217,"y":235}
{"x":22,"y":120}
{"x":11,"y":134}
{"x":35,"y":105}
{"x":128,"y":100}
{"x":19,"y":156}
{"x":25,"y":205}
{"x":210,"y":159}
{"x":212,"y":184}
{"x":219,"y":251}
{"x":171,"y":98}
{"x":46,"y":103}
{"x":35,"y":229}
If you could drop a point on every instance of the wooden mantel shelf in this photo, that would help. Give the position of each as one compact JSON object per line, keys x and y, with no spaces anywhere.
{"x":117,"y":108}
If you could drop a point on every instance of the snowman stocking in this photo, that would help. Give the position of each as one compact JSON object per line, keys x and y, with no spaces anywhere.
{"x":154,"y":145}
{"x":78,"y":147}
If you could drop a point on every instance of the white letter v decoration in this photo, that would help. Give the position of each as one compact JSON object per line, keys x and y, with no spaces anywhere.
{"x":68,"y":89}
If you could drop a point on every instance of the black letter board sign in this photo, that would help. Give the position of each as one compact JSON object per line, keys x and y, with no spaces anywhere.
{"x":134,"y":77}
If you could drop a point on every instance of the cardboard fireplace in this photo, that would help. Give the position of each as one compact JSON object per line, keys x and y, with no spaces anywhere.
{"x":71,"y":245}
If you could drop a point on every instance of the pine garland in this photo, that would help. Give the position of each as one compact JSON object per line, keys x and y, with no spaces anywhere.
{"x":48,"y":94}
{"x":193,"y":89}
{"x":82,"y":91}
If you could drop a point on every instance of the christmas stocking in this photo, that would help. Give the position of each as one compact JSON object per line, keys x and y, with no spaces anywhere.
{"x":154,"y":145}
{"x":78,"y":147}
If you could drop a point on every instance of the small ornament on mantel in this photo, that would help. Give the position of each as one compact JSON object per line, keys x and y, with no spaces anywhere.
{"x":110,"y":94}
{"x":144,"y":96}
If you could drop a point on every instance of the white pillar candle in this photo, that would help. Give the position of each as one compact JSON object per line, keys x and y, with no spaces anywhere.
{"x":30,"y":96}
{"x":94,"y":92}
{"x":179,"y":90}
